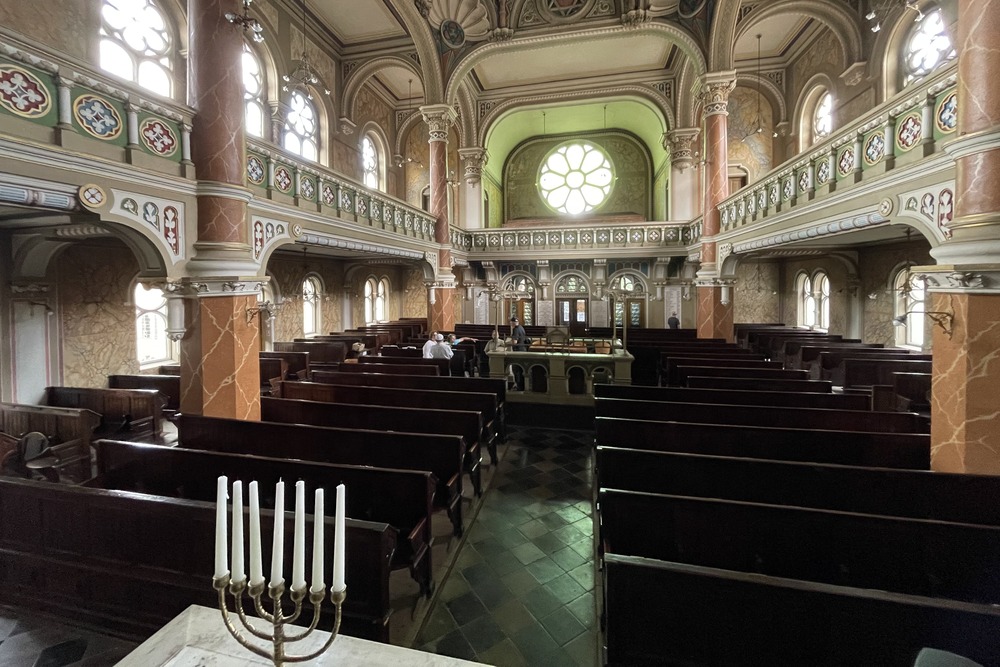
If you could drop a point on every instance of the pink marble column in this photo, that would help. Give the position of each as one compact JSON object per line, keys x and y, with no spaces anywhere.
{"x":965,"y":283}
{"x":715,"y":319}
{"x":220,"y":373}
{"x":440,"y":308}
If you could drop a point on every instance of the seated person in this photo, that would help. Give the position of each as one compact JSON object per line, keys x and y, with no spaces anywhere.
{"x":455,"y":341}
{"x":431,"y":342}
{"x":440,"y":349}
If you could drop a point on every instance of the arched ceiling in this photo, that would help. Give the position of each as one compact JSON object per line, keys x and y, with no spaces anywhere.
{"x":632,"y":115}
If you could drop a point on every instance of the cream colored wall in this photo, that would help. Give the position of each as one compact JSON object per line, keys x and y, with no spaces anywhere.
{"x":839,"y":297}
{"x":877,"y":265}
{"x":751,"y":150}
{"x":757,"y":295}
{"x":414,"y":301}
{"x":62,"y":25}
{"x":287,"y":274}
{"x":96,"y":312}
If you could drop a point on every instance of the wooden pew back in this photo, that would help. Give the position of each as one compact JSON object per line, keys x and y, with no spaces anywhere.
{"x":443,"y":365}
{"x":70,"y":431}
{"x":386,"y":368}
{"x":298,"y":363}
{"x":169,"y":386}
{"x":125,"y":412}
{"x":319,"y":351}
{"x":735,"y":397}
{"x":760,"y":384}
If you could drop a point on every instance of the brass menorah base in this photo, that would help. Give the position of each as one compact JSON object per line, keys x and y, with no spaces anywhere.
{"x":278,"y":637}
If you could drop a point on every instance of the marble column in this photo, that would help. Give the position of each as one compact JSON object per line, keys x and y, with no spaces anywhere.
{"x":683,"y":175}
{"x":220,"y":375}
{"x":965,"y":283}
{"x":715,"y":318}
{"x":475,"y":160}
{"x":440,"y":301}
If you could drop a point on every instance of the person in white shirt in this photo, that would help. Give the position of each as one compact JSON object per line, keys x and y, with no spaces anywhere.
{"x":431,"y":342}
{"x":440,"y":349}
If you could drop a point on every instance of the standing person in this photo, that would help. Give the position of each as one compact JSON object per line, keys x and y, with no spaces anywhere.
{"x":440,"y":349}
{"x":673,"y":322}
{"x":431,"y":341}
{"x":518,"y":336}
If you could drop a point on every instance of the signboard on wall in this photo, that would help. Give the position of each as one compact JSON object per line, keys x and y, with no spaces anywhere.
{"x":671,"y":303}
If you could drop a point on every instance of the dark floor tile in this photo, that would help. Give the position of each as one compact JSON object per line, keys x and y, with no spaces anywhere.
{"x":553,"y":520}
{"x":545,"y":570}
{"x":512,"y":538}
{"x":584,"y":609}
{"x":492,"y":593}
{"x":548,"y":543}
{"x":568,"y":559}
{"x":483,"y":634}
{"x":570,"y":534}
{"x":534,"y":643}
{"x":572,"y":514}
{"x":527,"y":553}
{"x":584,"y":575}
{"x":438,"y":623}
{"x":61,"y":654}
{"x":478,"y":573}
{"x":453,"y":644}
{"x":565,"y":588}
{"x":540,"y":602}
{"x":562,"y":626}
{"x":466,"y":608}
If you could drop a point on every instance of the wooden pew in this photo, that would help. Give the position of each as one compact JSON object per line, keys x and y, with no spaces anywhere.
{"x":320,"y":352}
{"x":495,"y":386}
{"x":131,"y":562}
{"x":443,"y":365}
{"x":762,"y":415}
{"x":938,"y":559}
{"x":913,"y":391}
{"x":271,"y":369}
{"x":126,"y":413}
{"x":886,"y":450}
{"x":401,"y":498}
{"x":298,"y":363}
{"x":485,"y":403}
{"x":388,"y":368}
{"x":466,"y":424}
{"x":831,"y":362}
{"x":759,"y":384}
{"x":169,"y":369}
{"x":397,"y":351}
{"x":866,"y":371}
{"x":918,"y":494}
{"x":69,"y":430}
{"x":694,"y":370}
{"x":694,"y":615}
{"x":672,"y":363}
{"x":806,"y":355}
{"x":790,"y":399}
{"x":169,"y":387}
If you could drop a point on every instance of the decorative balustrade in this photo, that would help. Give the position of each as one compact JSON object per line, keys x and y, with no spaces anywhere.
{"x":900,"y":132}
{"x":649,"y":235}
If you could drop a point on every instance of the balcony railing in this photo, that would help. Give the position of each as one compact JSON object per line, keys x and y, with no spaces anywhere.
{"x":601,"y":238}
{"x":900,"y":132}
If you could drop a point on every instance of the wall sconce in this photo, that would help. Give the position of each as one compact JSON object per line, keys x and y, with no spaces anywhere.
{"x":724,"y":295}
{"x":48,"y":309}
{"x":940,"y":318}
{"x":872,"y":296}
{"x":686,"y":292}
{"x":175,"y":312}
{"x":262,"y":307}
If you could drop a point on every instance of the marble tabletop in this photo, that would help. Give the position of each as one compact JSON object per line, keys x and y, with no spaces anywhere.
{"x":198,"y":638}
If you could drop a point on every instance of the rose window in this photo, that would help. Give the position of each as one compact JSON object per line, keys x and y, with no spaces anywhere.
{"x":575,"y":178}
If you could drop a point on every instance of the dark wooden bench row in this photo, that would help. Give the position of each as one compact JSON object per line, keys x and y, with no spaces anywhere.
{"x":131,"y":562}
{"x":671,"y":614}
{"x":443,"y":365}
{"x":790,"y":399}
{"x":672,"y":363}
{"x":885,"y":450}
{"x":401,"y":498}
{"x":386,"y":367}
{"x":763,"y":415}
{"x":684,"y":372}
{"x":125,"y":413}
{"x":69,"y":431}
{"x":169,"y":387}
{"x":759,"y":384}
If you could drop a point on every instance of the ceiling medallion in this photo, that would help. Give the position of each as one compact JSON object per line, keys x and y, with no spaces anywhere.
{"x":557,"y":11}
{"x":452,"y":34}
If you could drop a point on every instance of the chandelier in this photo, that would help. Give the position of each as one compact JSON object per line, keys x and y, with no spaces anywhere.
{"x":304,"y":75}
{"x":400,"y":160}
{"x":880,"y":10}
{"x":251,"y":26}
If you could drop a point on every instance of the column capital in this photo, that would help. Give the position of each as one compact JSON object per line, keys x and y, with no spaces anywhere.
{"x":475,"y":159}
{"x":679,"y":142}
{"x":715,"y":89}
{"x":439,"y":117}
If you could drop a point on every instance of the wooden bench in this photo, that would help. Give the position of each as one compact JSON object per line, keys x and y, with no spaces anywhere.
{"x":692,"y":615}
{"x":671,"y":364}
{"x":386,"y":368}
{"x":764,"y":415}
{"x":465,"y":424}
{"x":484,"y":403}
{"x":806,"y":356}
{"x":125,"y":413}
{"x":938,"y":559}
{"x":69,"y":430}
{"x":918,"y":494}
{"x":831,"y":362}
{"x":401,"y":498}
{"x":760,"y":384}
{"x":397,"y":351}
{"x":443,"y":365}
{"x":864,"y":372}
{"x":694,"y":370}
{"x":169,"y":387}
{"x":790,"y":399}
{"x":885,"y":450}
{"x":495,"y":386}
{"x":320,"y":352}
{"x":913,"y":391}
{"x":298,"y":363}
{"x":130,"y":562}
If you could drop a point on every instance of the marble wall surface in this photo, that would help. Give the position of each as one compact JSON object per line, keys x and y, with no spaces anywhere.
{"x":756,"y":296}
{"x":96,"y":314}
{"x":878,"y":265}
{"x":414,"y":300}
{"x":748,"y":148}
{"x":71,"y":34}
{"x":287,"y":274}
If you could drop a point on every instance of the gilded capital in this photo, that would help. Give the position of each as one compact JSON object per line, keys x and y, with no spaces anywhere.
{"x":439,"y":117}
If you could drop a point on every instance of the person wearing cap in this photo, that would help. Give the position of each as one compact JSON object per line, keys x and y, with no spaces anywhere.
{"x":440,"y":349}
{"x":517,"y":335}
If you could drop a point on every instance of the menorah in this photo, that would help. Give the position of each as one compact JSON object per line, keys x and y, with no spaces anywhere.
{"x":236,"y":582}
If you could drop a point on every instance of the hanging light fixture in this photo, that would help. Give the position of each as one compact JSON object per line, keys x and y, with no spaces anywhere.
{"x":758,"y":124}
{"x":252,"y":28}
{"x":409,"y":112}
{"x":880,"y":10}
{"x":304,"y":75}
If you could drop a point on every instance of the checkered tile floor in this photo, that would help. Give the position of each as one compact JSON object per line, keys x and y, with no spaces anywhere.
{"x":522,"y":589}
{"x":35,"y":642}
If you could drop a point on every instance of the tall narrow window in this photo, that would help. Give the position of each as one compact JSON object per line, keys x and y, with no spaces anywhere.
{"x":822,"y":123}
{"x":310,"y":307}
{"x":909,"y":308}
{"x":927,"y":47}
{"x":822,"y":283}
{"x":136,"y":44}
{"x":370,"y":163}
{"x":301,"y":134}
{"x":253,"y":92}
{"x":807,"y":302}
{"x":151,"y":342}
{"x":381,"y":298}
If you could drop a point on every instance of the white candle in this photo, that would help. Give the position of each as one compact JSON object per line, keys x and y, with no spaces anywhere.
{"x":221,"y":566}
{"x":339,"y":540}
{"x":238,"y":573}
{"x":317,"y":570}
{"x":299,"y":546}
{"x":277,"y":546}
{"x":256,"y":568}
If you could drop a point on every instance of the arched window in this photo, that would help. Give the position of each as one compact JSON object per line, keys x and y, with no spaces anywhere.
{"x":376,"y":295}
{"x":814,"y":300}
{"x":311,"y":293}
{"x":151,"y":342}
{"x":908,"y":309}
{"x":822,"y":121}
{"x":371,"y":163}
{"x":927,"y":46}
{"x":253,"y":93}
{"x":631,"y":298}
{"x":575,"y":177}
{"x":136,"y":44}
{"x":301,"y":135}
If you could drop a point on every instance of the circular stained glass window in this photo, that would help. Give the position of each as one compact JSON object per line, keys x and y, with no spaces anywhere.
{"x":575,"y":178}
